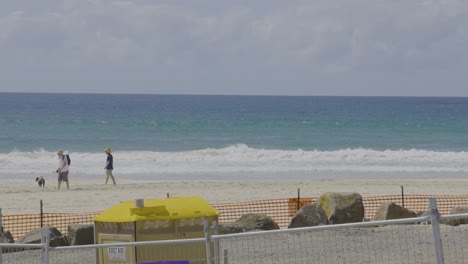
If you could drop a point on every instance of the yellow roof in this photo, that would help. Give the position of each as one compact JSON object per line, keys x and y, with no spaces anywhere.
{"x":158,"y":209}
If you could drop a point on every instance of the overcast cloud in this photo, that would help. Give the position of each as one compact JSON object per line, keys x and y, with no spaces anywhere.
{"x":310,"y":47}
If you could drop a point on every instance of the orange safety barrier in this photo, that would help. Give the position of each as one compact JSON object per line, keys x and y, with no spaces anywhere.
{"x":19,"y":225}
{"x":281,"y":210}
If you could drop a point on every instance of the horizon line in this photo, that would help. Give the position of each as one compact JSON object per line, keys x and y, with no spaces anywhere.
{"x":238,"y":95}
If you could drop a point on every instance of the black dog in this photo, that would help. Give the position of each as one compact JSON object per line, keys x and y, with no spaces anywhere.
{"x":40,"y":180}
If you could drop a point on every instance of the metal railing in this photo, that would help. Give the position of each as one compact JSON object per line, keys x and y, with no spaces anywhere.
{"x":412,"y":240}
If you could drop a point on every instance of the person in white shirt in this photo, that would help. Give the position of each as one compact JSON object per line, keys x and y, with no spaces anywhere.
{"x":62,"y":169}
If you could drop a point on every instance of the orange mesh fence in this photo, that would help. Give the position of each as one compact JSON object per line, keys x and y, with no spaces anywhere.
{"x":19,"y":225}
{"x":281,"y":210}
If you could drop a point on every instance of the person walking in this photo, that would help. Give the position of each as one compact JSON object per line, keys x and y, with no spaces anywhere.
{"x":63,"y":169}
{"x":109,"y":165}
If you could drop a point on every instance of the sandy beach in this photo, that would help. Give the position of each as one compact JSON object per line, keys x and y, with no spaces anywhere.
{"x":23,"y":197}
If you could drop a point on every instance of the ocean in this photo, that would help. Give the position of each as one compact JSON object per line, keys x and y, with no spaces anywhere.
{"x":202,"y":137}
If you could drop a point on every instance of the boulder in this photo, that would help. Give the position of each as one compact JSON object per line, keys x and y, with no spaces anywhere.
{"x":390,"y":210}
{"x":80,"y":234}
{"x":6,"y":237}
{"x":424,"y":213}
{"x":249,"y":222}
{"x":309,"y":215}
{"x":342,"y":208}
{"x":456,"y":222}
{"x":34,"y":237}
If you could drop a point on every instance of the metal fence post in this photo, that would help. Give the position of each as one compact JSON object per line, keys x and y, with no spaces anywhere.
{"x":45,"y":241}
{"x":435,"y":216}
{"x":207,"y":241}
{"x":1,"y":223}
{"x":214,"y":227}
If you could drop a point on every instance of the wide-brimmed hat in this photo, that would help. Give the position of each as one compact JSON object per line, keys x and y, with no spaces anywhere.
{"x":107,"y":150}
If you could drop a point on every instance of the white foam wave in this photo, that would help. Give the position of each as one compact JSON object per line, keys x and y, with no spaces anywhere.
{"x":238,"y":158}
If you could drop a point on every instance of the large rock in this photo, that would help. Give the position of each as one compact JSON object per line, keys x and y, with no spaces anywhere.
{"x":456,"y":222}
{"x":6,"y":237}
{"x":424,"y":213}
{"x":249,"y":222}
{"x":80,"y":234}
{"x":34,"y":237}
{"x":342,"y":208}
{"x":390,"y":210}
{"x":309,"y":215}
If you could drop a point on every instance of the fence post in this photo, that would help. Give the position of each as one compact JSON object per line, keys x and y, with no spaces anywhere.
{"x":298,"y":199}
{"x":1,"y":223}
{"x":435,"y":216}
{"x":207,"y":241}
{"x":402,"y":197}
{"x":45,"y":241}
{"x":42,"y":225}
{"x":214,"y":228}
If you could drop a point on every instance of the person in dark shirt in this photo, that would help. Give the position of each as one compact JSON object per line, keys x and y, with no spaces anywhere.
{"x":109,"y":165}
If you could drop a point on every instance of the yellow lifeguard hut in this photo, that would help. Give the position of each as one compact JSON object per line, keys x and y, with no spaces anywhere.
{"x":150,"y":220}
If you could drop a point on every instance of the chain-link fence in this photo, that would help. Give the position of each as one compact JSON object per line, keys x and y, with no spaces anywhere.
{"x":426,"y":239}
{"x":372,"y":242}
{"x":22,"y":253}
{"x":282,"y":210}
{"x":454,"y":236}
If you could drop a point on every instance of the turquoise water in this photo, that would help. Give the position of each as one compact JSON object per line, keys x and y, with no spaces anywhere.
{"x":219,"y":137}
{"x":85,"y":122}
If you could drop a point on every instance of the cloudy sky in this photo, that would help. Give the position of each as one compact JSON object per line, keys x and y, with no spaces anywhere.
{"x":267,"y":47}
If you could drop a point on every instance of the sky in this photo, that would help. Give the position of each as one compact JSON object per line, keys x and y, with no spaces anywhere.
{"x":262,"y":47}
